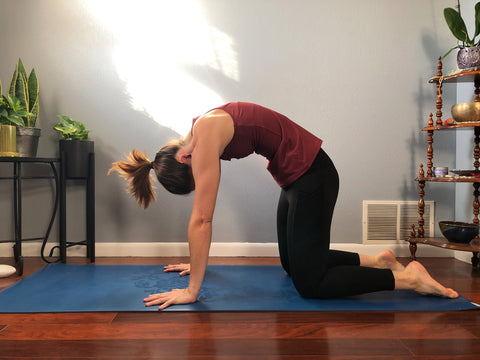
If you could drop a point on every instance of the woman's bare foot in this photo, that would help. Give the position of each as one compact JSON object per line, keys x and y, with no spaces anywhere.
{"x":416,"y":277}
{"x":387,"y":260}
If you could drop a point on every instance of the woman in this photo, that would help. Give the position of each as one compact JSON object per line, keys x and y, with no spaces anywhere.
{"x":309,"y":183}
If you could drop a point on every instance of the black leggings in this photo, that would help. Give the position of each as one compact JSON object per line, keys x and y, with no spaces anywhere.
{"x":304,"y":217}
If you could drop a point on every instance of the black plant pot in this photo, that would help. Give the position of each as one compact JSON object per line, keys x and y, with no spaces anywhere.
{"x":27,"y":141}
{"x":76,"y":154}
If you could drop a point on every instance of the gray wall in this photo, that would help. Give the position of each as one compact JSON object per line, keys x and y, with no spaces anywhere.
{"x":353,"y":73}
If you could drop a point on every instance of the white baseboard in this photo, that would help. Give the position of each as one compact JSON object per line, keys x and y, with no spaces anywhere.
{"x":218,"y":249}
{"x":464,"y":256}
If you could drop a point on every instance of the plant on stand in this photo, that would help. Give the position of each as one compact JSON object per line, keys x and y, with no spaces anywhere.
{"x":75,"y":147}
{"x":71,"y":129}
{"x":469,"y":54}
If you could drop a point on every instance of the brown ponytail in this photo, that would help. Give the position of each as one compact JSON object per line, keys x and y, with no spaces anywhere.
{"x":136,"y":170}
{"x":175,"y":177}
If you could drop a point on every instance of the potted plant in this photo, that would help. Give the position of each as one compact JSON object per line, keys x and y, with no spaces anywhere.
{"x":469,"y":54}
{"x":11,"y":116}
{"x":75,"y":147}
{"x":25,"y":89}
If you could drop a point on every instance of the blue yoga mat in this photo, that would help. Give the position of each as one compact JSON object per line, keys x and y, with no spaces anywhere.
{"x":90,"y":288}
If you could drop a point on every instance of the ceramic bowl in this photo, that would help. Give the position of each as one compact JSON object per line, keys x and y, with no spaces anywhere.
{"x":458,"y":232}
{"x":466,"y":112}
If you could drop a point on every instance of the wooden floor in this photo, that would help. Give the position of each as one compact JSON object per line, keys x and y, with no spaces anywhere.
{"x":248,"y":335}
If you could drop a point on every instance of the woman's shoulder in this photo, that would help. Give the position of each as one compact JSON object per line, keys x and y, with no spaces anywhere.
{"x":215,"y":126}
{"x":214,"y":119}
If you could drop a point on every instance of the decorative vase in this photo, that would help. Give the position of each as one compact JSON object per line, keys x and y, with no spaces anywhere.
{"x":468,"y":57}
{"x":27,"y":141}
{"x":8,"y":146}
{"x":76,"y":154}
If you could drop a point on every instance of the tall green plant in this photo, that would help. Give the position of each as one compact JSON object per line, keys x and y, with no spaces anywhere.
{"x":457,"y":26}
{"x":25,"y":89}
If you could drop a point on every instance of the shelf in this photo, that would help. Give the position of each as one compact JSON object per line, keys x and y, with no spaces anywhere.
{"x":473,"y":246}
{"x":20,"y":159}
{"x":454,"y":126}
{"x":459,"y":76}
{"x":464,"y":76}
{"x":454,"y":179}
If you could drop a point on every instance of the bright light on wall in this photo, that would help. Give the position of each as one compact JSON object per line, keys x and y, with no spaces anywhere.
{"x":161,"y":45}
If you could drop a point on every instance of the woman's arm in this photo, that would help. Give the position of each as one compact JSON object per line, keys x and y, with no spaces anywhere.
{"x":206,"y":172}
{"x":206,"y":169}
{"x":211,"y":136}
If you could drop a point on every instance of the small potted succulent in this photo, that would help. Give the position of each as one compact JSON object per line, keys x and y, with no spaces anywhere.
{"x":469,"y":54}
{"x":75,"y":147}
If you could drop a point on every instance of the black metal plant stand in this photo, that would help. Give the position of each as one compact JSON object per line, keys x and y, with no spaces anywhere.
{"x":61,"y":181}
{"x":18,"y":178}
{"x":89,"y":181}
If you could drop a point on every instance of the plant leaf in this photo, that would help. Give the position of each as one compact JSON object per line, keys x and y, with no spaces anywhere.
{"x":58,"y":127}
{"x":33,"y":89}
{"x":65,"y":128}
{"x":449,"y":51}
{"x":80,"y":126}
{"x":477,"y":20}
{"x":14,"y":103}
{"x":456,"y":25}
{"x":21,"y":68}
{"x":17,"y":120}
{"x":32,"y":120}
{"x":13,"y":81}
{"x":21,"y":91}
{"x":10,"y":100}
{"x":65,"y":119}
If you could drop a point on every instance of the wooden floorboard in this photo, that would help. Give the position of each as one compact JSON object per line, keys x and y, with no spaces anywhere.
{"x":247,"y":335}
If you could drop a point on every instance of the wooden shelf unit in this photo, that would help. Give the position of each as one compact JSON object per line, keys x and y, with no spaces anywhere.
{"x":417,"y":234}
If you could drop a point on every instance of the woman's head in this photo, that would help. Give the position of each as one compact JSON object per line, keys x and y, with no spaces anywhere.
{"x":176,"y":177}
{"x":173,"y":175}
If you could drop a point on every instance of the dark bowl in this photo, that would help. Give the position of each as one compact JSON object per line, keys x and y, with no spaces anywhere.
{"x":458,"y":232}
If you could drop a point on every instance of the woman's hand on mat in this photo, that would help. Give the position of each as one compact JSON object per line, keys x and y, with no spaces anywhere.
{"x":174,"y":297}
{"x":183,"y":269}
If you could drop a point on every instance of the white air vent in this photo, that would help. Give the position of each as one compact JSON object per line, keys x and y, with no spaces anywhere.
{"x":391,"y":221}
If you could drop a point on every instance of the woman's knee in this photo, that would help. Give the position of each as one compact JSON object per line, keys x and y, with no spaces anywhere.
{"x":307,"y":288}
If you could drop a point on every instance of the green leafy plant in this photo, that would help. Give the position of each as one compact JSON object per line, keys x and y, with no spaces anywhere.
{"x":458,"y":28}
{"x":12,"y":111}
{"x":71,"y":129}
{"x":25,"y":89}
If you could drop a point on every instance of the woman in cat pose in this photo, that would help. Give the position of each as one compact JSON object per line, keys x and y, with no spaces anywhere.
{"x":309,"y":187}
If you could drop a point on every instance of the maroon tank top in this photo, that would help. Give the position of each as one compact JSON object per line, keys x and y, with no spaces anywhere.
{"x":289,"y":148}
